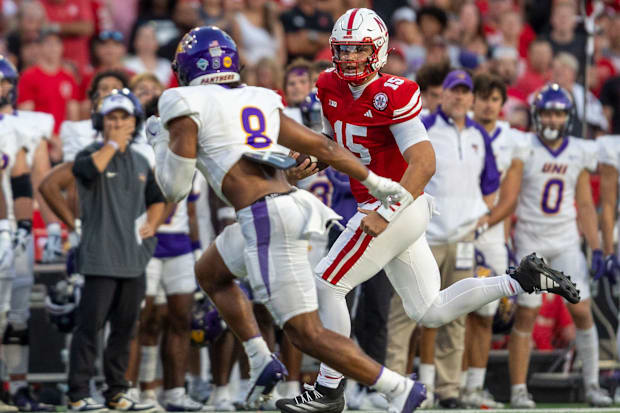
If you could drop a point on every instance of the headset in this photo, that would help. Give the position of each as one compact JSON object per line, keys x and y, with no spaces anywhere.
{"x":97,"y":117}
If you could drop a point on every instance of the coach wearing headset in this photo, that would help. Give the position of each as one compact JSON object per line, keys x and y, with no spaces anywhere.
{"x":120,"y":206}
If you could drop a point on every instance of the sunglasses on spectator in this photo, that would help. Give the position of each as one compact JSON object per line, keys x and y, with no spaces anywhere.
{"x":111,"y":35}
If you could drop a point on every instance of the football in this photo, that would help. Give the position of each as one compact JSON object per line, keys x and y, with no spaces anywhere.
{"x":302,"y":157}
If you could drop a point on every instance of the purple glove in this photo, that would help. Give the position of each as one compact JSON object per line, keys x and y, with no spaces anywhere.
{"x":612,"y":268}
{"x":597,"y":268}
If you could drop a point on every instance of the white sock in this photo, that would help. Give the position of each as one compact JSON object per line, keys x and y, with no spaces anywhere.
{"x":220,"y":393}
{"x":244,"y":385}
{"x":16,"y":358}
{"x":463,"y":380}
{"x":514,"y":389}
{"x":148,"y":395}
{"x":475,"y":378}
{"x":288,"y":389}
{"x":328,"y":377}
{"x":390,"y":383}
{"x":15,"y":385}
{"x":427,"y":374}
{"x":256,"y":350}
{"x":586,"y":343}
{"x":148,"y":364}
{"x":174,"y":393}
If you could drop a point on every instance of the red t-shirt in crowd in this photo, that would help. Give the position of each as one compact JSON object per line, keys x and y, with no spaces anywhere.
{"x":49,"y":92}
{"x":71,"y":11}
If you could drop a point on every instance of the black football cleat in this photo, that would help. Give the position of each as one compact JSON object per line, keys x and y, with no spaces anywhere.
{"x":315,"y":399}
{"x":535,"y":276}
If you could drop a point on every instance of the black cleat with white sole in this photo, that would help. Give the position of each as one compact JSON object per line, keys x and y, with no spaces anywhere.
{"x":535,"y":276}
{"x":315,"y":399}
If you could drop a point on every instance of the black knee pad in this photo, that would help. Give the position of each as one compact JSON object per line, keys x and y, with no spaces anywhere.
{"x":16,"y":337}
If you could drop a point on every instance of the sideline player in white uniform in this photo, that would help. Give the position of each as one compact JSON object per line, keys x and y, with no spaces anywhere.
{"x":553,"y":183}
{"x":609,"y":164}
{"x":375,"y":116}
{"x":6,"y":252}
{"x":489,"y":97}
{"x":24,"y":149}
{"x":231,"y":133}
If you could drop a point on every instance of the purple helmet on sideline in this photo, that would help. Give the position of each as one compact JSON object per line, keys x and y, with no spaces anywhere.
{"x":207,"y":325}
{"x":8,"y":72}
{"x":552,"y":97}
{"x":206,"y":55}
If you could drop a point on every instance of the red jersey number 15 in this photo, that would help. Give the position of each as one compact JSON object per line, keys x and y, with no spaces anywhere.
{"x":346,"y":140}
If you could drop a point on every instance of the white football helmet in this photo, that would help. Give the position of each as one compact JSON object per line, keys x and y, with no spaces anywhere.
{"x":353,"y":32}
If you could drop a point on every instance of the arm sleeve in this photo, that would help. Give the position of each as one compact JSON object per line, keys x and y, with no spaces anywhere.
{"x":174,"y":104}
{"x":409,"y":133}
{"x":152,"y":193}
{"x":489,"y":178}
{"x":84,"y":168}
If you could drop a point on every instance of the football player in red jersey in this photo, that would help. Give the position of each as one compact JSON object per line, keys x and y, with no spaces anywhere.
{"x":375,"y":116}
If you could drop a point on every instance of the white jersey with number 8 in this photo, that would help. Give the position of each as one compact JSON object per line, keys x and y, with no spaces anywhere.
{"x":231,"y":122}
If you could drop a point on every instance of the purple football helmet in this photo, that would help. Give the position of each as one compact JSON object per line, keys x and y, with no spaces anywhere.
{"x":207,"y":325}
{"x":8,"y":72}
{"x":552,"y":97}
{"x":311,"y":112}
{"x":206,"y":55}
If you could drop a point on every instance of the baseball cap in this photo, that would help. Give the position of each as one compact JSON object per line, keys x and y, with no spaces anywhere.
{"x":117,"y":101}
{"x":456,"y":78}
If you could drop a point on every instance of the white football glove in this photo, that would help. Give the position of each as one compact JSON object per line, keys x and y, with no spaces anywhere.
{"x":52,"y":252}
{"x":156,"y":134}
{"x":387,"y":191}
{"x":6,"y":249}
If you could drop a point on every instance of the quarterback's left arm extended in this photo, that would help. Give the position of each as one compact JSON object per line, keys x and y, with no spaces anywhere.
{"x":586,"y":214}
{"x":177,"y":162}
